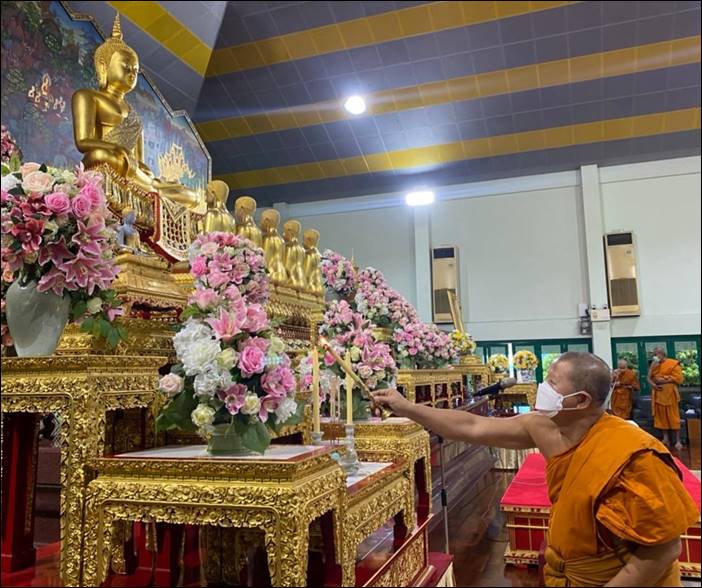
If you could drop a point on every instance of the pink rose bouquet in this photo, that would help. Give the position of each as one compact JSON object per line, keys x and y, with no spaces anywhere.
{"x":338,"y":273}
{"x":423,"y":346}
{"x":57,"y":230}
{"x":234,"y":370}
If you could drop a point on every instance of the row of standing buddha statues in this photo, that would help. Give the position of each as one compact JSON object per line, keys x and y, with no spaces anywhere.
{"x":289,"y":263}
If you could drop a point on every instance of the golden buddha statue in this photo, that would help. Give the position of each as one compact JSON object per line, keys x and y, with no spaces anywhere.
{"x":294,"y":255}
{"x":244,"y":209}
{"x":313,"y":259}
{"x":273,"y":246}
{"x":108,"y":130}
{"x":217,"y":218}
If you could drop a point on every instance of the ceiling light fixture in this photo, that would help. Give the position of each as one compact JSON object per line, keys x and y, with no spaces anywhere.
{"x":355,"y":105}
{"x":419,"y":198}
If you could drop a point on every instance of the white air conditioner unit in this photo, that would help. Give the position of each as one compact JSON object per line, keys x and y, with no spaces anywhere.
{"x":622,"y":287}
{"x":444,"y":278}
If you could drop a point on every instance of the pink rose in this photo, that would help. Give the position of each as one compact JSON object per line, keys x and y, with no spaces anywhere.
{"x":171,"y":384}
{"x":329,"y":359}
{"x":252,"y":361}
{"x":259,"y":342}
{"x":82,"y":206}
{"x":94,"y":194}
{"x":28,"y":168}
{"x":209,"y":249}
{"x":256,"y":318}
{"x":199,"y":266}
{"x":204,"y":298}
{"x":278,"y":382}
{"x":37,"y":181}
{"x":58,"y":203}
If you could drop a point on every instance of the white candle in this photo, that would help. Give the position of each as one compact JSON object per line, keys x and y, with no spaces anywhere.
{"x":349,"y":392}
{"x":315,"y":389}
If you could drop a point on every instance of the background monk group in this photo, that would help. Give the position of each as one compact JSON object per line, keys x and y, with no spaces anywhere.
{"x":625,"y":382}
{"x":618,"y":503}
{"x":664,"y":376}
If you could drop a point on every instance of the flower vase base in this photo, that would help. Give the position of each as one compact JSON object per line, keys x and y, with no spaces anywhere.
{"x":221,"y":443}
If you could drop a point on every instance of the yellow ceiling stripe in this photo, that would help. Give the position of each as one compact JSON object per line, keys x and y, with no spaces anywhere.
{"x":156,"y":21}
{"x":519,"y":79}
{"x":379,"y":28}
{"x":406,"y":159}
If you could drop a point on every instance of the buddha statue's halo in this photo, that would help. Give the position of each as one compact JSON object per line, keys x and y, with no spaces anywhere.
{"x":104,"y":53}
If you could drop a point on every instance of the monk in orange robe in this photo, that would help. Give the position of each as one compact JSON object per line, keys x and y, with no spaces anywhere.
{"x":625,"y":382}
{"x":664,"y":376}
{"x":618,"y":502}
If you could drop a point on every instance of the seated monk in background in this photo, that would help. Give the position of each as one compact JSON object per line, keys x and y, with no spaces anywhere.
{"x":664,"y":376}
{"x":618,"y":502}
{"x":625,"y":382}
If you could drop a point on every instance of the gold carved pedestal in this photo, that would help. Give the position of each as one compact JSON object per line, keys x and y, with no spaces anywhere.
{"x":409,"y":380}
{"x":397,"y":440}
{"x":82,"y":389}
{"x":279,"y":497}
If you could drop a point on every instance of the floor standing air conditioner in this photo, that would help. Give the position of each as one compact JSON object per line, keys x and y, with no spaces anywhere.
{"x":622,"y":287}
{"x":444,"y":278}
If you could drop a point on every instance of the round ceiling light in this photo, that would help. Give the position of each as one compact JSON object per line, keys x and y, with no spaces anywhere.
{"x":355,"y":105}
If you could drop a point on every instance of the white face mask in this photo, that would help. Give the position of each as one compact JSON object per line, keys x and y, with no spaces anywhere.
{"x":549,"y":402}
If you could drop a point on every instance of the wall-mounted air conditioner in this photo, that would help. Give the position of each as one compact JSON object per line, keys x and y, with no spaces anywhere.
{"x":444,"y":278}
{"x":622,"y":287}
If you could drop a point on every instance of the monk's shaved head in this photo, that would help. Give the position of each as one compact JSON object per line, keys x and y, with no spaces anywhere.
{"x":588,"y":373}
{"x":623,"y":364}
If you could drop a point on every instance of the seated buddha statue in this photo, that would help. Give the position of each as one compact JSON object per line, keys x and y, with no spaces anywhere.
{"x":217,"y":218}
{"x":294,"y":255}
{"x":244,"y":210}
{"x":273,"y":246}
{"x":313,"y":261}
{"x":108,"y":130}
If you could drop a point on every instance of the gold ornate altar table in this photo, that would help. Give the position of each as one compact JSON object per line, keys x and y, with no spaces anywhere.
{"x":397,"y":440}
{"x":444,"y":386}
{"x":82,"y":389}
{"x":280,"y":493}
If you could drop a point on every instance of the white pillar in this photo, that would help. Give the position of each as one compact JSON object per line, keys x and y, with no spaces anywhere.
{"x":597,"y":275}
{"x":422,"y":262}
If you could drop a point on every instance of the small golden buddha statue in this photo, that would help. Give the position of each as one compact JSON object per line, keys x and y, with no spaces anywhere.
{"x":108,"y":130}
{"x":294,"y":255}
{"x":273,"y":246}
{"x":217,"y":218}
{"x":313,"y":260}
{"x":244,"y":209}
{"x":128,"y":239}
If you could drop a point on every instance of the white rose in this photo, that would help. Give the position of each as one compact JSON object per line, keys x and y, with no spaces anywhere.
{"x":227,"y":358}
{"x":203,"y":417}
{"x":9,"y":182}
{"x":192,"y":331}
{"x":37,"y":181}
{"x":355,"y":353}
{"x":171,"y":384}
{"x":285,"y":410}
{"x":252,"y":404}
{"x":365,"y":371}
{"x":94,"y":305}
{"x":277,"y":345}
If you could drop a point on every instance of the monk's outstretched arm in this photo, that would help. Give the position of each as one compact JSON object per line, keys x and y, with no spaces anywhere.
{"x":510,"y":433}
{"x":647,"y":564}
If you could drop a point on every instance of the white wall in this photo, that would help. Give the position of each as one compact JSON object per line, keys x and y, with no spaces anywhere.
{"x":664,"y":214}
{"x":382,"y":238}
{"x":523,"y":265}
{"x":520,"y":255}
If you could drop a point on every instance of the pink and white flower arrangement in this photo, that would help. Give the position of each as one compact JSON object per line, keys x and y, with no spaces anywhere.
{"x":57,"y":230}
{"x":338,"y":273}
{"x":232,"y":370}
{"x":8,"y":147}
{"x":423,"y":346}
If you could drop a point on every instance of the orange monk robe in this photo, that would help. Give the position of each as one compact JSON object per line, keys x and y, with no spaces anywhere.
{"x":666,"y":410}
{"x":616,"y":489}
{"x":621,"y":396}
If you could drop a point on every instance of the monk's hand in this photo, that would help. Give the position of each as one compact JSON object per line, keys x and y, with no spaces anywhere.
{"x":393,"y":400}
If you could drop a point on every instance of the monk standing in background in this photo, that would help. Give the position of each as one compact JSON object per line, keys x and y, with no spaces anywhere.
{"x":625,"y":382}
{"x":618,"y":502}
{"x":664,"y":376}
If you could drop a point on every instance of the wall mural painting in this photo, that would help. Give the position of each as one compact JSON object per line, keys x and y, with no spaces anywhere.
{"x":46,"y":56}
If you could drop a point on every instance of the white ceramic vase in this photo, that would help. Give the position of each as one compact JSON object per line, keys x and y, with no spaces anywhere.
{"x":36,"y":319}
